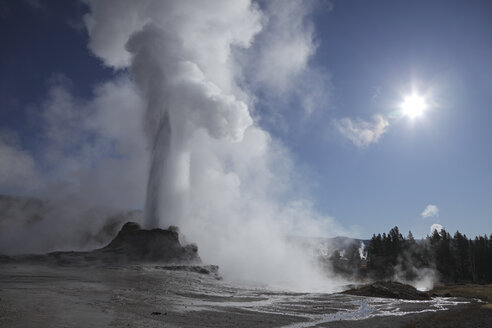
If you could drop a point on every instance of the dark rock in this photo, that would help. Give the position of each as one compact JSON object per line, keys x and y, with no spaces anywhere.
{"x":448,"y":295}
{"x":156,"y":313}
{"x":173,"y":228}
{"x":192,"y":248}
{"x":212,"y":270}
{"x":129,"y":227}
{"x":157,"y":245}
{"x":388,"y":289}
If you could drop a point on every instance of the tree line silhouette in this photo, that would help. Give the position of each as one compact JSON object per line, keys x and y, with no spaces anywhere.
{"x":390,"y":256}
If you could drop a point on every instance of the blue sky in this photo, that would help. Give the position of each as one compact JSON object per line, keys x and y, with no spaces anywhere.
{"x":374,"y":51}
{"x":370,"y":55}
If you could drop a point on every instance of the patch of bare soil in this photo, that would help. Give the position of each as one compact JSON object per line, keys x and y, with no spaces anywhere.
{"x":482,"y":292}
{"x":472,"y":315}
{"x":389,"y":289}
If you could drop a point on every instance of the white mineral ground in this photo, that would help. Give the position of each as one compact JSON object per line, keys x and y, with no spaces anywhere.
{"x":147,"y":296}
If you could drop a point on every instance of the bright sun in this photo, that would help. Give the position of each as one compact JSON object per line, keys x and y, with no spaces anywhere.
{"x":413,"y":105}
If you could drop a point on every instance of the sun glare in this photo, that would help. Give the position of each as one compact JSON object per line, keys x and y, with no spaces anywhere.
{"x":413,"y":105}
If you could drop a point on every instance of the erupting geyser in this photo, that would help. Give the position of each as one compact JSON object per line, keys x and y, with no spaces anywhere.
{"x":158,"y":161}
{"x":181,"y":99}
{"x":213,"y":172}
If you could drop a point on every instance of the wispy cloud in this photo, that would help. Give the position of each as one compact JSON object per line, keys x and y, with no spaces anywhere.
{"x":362,"y":133}
{"x":431,"y":211}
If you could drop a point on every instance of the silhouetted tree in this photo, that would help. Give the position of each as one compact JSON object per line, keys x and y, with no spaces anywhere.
{"x":461,"y":257}
{"x":443,"y":256}
{"x":457,"y":258}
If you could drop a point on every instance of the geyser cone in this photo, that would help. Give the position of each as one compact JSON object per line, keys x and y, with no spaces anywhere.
{"x":156,"y":245}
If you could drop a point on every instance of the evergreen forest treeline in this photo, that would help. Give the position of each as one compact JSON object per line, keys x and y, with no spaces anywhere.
{"x":392,"y":256}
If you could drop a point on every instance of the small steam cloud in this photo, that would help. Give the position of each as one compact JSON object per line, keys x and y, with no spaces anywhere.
{"x":362,"y":251}
{"x":435,"y":227}
{"x":410,"y":268}
{"x":423,"y":279}
{"x":431,"y":211}
{"x":362,"y":133}
{"x":17,"y":167}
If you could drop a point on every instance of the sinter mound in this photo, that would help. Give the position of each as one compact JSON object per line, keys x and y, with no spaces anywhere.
{"x":157,"y":245}
{"x":389,"y":289}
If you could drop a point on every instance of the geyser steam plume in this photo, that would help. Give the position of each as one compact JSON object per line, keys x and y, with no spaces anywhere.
{"x":180,"y":100}
{"x":158,"y":161}
{"x":213,"y":172}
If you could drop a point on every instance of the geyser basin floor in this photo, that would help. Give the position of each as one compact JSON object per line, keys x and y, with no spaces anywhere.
{"x":145,"y":296}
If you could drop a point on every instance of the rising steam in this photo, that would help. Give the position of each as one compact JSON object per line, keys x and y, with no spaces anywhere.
{"x":183,"y":130}
{"x":213,"y":171}
{"x":180,"y":57}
